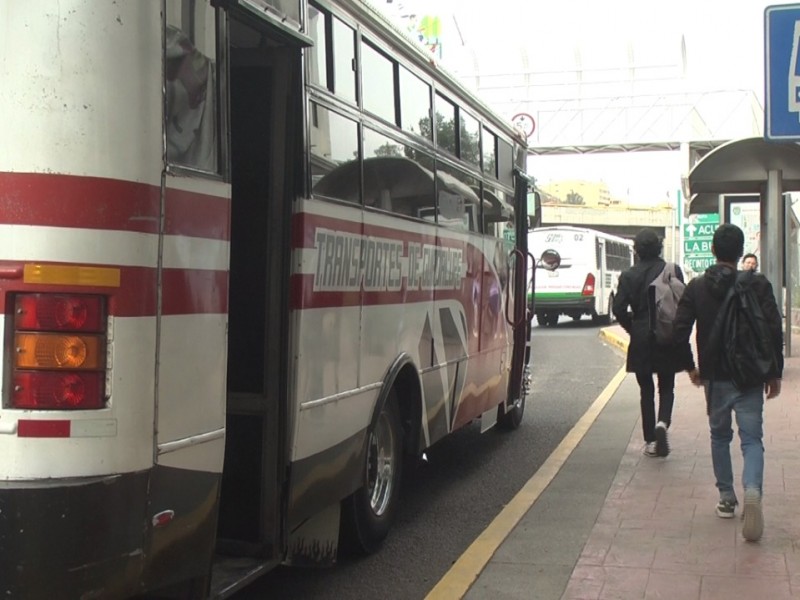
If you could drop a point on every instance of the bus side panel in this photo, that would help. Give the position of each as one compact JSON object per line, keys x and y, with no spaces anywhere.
{"x":487,"y":382}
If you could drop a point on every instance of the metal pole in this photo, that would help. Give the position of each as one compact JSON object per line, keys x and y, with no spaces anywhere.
{"x":789,"y":270}
{"x":771,"y":229}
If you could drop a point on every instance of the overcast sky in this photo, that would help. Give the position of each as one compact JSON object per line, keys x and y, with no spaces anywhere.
{"x":724,"y":48}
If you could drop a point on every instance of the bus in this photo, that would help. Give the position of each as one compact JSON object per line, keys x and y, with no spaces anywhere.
{"x":253,"y":255}
{"x":586,"y":280}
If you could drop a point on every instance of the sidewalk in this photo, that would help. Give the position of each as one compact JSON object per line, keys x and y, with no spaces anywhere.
{"x":614,"y":524}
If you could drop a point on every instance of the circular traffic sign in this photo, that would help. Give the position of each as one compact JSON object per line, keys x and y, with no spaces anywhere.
{"x":525,"y":123}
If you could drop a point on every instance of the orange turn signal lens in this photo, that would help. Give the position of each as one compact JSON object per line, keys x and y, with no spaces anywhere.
{"x":59,"y":351}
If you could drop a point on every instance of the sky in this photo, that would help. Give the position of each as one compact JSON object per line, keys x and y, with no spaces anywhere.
{"x":724,"y":50}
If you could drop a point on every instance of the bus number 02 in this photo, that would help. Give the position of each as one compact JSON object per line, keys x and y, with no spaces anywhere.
{"x":578,"y":237}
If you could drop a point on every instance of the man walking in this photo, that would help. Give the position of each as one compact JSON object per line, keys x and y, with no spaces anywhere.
{"x":701,"y":302}
{"x":645,"y":356}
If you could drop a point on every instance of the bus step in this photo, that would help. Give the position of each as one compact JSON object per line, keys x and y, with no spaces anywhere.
{"x":231,"y":574}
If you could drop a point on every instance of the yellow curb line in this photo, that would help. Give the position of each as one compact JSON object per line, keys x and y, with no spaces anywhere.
{"x":614,"y":340}
{"x":458,"y":580}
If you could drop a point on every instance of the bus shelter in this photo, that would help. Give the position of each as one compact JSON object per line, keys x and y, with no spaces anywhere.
{"x":767,"y":170}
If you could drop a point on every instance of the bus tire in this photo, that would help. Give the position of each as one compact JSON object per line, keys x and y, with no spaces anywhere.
{"x":509,"y":418}
{"x":552,"y":319}
{"x":367,"y":514}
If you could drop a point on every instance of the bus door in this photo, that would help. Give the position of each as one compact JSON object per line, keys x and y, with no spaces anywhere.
{"x":517,"y":313}
{"x":601,"y":285}
{"x":265,"y":132}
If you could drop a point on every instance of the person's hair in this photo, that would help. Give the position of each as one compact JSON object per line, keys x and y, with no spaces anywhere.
{"x":647,"y":244}
{"x":728,"y":243}
{"x":750,"y":255}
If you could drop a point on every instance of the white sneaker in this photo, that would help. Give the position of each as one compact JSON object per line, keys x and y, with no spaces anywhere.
{"x":752,"y":516}
{"x":662,"y":446}
{"x":649,"y":449}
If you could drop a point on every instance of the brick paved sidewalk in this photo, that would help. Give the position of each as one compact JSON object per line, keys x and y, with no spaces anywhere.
{"x":657,"y":535}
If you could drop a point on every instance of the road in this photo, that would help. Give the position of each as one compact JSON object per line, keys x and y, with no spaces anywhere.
{"x":466,"y":481}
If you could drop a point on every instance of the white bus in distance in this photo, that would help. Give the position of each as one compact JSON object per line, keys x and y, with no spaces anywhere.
{"x":586,"y":280}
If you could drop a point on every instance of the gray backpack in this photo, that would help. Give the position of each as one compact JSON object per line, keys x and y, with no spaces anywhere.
{"x":663,"y":295}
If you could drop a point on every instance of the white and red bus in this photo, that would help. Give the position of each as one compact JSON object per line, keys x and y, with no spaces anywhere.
{"x":253,"y":253}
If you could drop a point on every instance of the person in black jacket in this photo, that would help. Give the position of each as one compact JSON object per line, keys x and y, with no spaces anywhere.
{"x":645,"y":357}
{"x":701,"y":301}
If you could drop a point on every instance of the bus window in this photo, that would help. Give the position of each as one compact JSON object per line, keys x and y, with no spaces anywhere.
{"x":318,"y":53}
{"x":190,"y":85}
{"x":489,"y":147}
{"x":458,"y":202}
{"x":445,"y":124}
{"x":498,"y":211}
{"x":344,"y":78}
{"x":334,"y":141}
{"x":378,"y":96}
{"x":396,"y":178}
{"x":415,"y":104}
{"x":505,"y":162}
{"x":469,"y":136}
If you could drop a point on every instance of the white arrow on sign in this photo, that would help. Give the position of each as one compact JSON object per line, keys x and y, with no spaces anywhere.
{"x":690,"y":229}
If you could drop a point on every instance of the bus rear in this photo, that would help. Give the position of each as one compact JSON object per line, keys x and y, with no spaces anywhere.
{"x":93,"y":502}
{"x":569,"y":289}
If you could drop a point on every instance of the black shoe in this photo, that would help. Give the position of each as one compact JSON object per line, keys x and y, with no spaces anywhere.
{"x":662,"y":447}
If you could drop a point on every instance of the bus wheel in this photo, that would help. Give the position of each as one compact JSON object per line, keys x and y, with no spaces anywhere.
{"x":552,"y":319}
{"x":541,"y":319}
{"x":510,"y":417}
{"x":367,"y":515}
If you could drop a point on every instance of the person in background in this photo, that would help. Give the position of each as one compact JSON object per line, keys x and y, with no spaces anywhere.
{"x":700,"y":303}
{"x":645,"y":357}
{"x":750,"y":262}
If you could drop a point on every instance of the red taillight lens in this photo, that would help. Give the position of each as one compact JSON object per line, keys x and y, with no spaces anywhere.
{"x":588,"y":286}
{"x":57,"y":390}
{"x":59,"y":353}
{"x":57,"y":312}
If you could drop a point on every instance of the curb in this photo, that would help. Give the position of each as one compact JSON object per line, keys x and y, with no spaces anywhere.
{"x":612,"y":337}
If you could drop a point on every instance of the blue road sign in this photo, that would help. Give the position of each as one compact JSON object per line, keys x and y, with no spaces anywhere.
{"x":782,"y":72}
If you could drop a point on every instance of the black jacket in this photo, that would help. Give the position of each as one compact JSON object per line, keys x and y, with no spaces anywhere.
{"x":644,"y":355}
{"x":702,"y":300}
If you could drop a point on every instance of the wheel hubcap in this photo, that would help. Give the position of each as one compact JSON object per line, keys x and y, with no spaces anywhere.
{"x":381,"y":465}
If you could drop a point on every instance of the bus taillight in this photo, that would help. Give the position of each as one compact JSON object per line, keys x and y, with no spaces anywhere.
{"x":59,"y":356}
{"x":588,"y":286}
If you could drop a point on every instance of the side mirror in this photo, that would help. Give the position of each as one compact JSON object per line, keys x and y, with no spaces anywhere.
{"x":534,"y":210}
{"x":550,"y":260}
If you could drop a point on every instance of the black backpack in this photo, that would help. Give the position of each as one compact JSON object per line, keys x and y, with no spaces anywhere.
{"x":741,"y":336}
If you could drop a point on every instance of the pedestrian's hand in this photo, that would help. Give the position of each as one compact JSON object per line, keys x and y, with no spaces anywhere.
{"x":694,"y":376}
{"x":772,"y":388}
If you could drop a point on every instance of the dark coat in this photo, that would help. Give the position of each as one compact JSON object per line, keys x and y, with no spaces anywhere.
{"x":702,"y":300}
{"x":644,"y":355}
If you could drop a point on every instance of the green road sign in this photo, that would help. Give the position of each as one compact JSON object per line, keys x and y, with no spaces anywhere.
{"x":698,"y":234}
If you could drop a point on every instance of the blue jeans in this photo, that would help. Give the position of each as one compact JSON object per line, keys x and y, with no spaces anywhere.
{"x":748,"y":404}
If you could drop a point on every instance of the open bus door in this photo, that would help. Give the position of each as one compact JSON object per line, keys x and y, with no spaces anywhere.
{"x":265,"y":107}
{"x":517,"y":313}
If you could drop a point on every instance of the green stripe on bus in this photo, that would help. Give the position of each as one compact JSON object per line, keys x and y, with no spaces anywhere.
{"x":558,"y":295}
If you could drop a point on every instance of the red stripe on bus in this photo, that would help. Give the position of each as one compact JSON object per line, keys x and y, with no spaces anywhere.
{"x":194,"y":291}
{"x":185,"y":291}
{"x":43,"y":428}
{"x":197,"y":215}
{"x":51,"y":200}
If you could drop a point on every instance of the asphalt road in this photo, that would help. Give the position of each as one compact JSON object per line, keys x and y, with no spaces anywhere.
{"x":466,"y":481}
